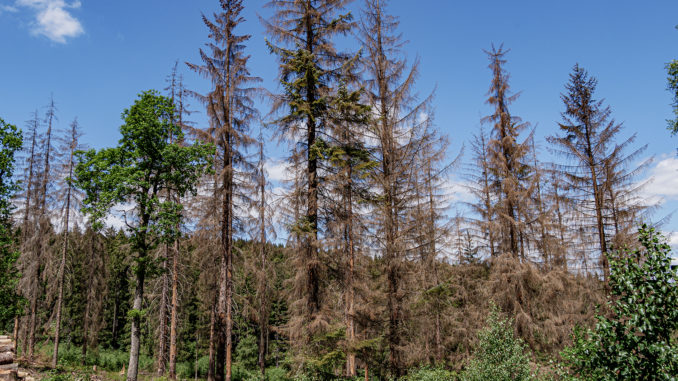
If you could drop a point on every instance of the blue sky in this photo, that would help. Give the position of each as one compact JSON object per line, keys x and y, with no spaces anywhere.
{"x":95,"y":56}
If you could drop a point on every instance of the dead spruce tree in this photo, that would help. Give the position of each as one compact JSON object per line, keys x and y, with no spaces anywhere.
{"x":28,"y":214}
{"x":230,"y":109}
{"x":597,"y":175}
{"x":39,"y":241}
{"x":309,"y":69}
{"x":67,"y":194}
{"x":481,"y":187}
{"x":508,"y":160}
{"x":399,"y":125}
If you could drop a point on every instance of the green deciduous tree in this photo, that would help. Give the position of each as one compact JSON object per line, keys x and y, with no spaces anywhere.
{"x":136,"y":173}
{"x":10,"y":142}
{"x":634,"y":341}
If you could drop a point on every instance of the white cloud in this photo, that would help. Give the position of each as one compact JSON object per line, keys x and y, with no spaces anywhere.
{"x":53,"y":19}
{"x":663,"y":180}
{"x":7,"y":8}
{"x":278,"y":170}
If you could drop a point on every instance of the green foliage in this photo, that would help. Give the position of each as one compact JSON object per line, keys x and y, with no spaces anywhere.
{"x":276,"y":374}
{"x":634,"y":341}
{"x":112,"y":360}
{"x":672,"y":70}
{"x":500,"y":355}
{"x":149,"y":158}
{"x":10,"y":302}
{"x":431,"y":374}
{"x":247,"y":352}
{"x":58,"y":375}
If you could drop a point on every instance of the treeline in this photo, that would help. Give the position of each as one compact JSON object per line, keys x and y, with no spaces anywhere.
{"x":375,"y":268}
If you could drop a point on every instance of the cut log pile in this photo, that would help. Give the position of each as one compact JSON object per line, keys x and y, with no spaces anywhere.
{"x":8,"y":368}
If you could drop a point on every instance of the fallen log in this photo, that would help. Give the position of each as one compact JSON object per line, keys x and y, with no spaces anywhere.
{"x":6,"y":358}
{"x":8,"y":375}
{"x":12,"y":366}
{"x":6,"y":348}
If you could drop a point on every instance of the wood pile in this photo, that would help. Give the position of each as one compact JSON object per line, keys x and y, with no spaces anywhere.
{"x":8,"y":368}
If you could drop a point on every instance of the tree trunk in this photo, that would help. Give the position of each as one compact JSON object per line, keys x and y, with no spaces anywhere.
{"x":85,"y":329}
{"x":350,"y":294}
{"x":62,"y":268}
{"x":15,"y":331}
{"x":162,"y":334}
{"x":135,"y":342}
{"x":212,"y":345}
{"x":31,"y":329}
{"x":173,"y":316}
{"x":263,"y":316}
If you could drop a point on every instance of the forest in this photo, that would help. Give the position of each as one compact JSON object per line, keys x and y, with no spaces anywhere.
{"x":170,"y":254}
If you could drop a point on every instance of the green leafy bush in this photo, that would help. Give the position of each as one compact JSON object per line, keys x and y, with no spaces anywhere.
{"x":500,"y":355}
{"x":431,"y":374}
{"x":634,"y":341}
{"x":113,"y":360}
{"x":276,"y":374}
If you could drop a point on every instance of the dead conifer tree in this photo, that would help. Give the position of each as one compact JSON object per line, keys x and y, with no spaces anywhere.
{"x":30,"y":185}
{"x":309,"y":68}
{"x":261,"y":230}
{"x":178,"y":94}
{"x":398,"y":126}
{"x":597,"y":170}
{"x":507,"y":159}
{"x":43,"y":222}
{"x":481,"y":187}
{"x":92,"y":246}
{"x":230,"y":109}
{"x":67,"y":190}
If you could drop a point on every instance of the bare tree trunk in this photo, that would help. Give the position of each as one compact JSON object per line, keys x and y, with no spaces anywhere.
{"x":224,"y":324}
{"x":162,"y":314}
{"x":15,"y":332}
{"x":135,"y":342}
{"x":31,"y":331}
{"x":263,"y":316}
{"x":350,"y":293}
{"x":174,"y":314}
{"x":195,"y":364}
{"x":211,"y":363}
{"x":62,"y":265}
{"x":85,"y":330}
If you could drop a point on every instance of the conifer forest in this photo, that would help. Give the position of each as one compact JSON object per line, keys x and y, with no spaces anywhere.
{"x":171,"y":253}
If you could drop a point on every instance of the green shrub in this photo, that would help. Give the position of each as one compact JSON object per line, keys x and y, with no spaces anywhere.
{"x":70,"y":355}
{"x":240,"y":373}
{"x":56,"y":375}
{"x":276,"y":374}
{"x":634,"y":342}
{"x":431,"y":374}
{"x":112,"y":360}
{"x":500,"y":356}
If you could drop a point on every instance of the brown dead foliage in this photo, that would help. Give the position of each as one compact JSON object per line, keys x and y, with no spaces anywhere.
{"x":545,"y":304}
